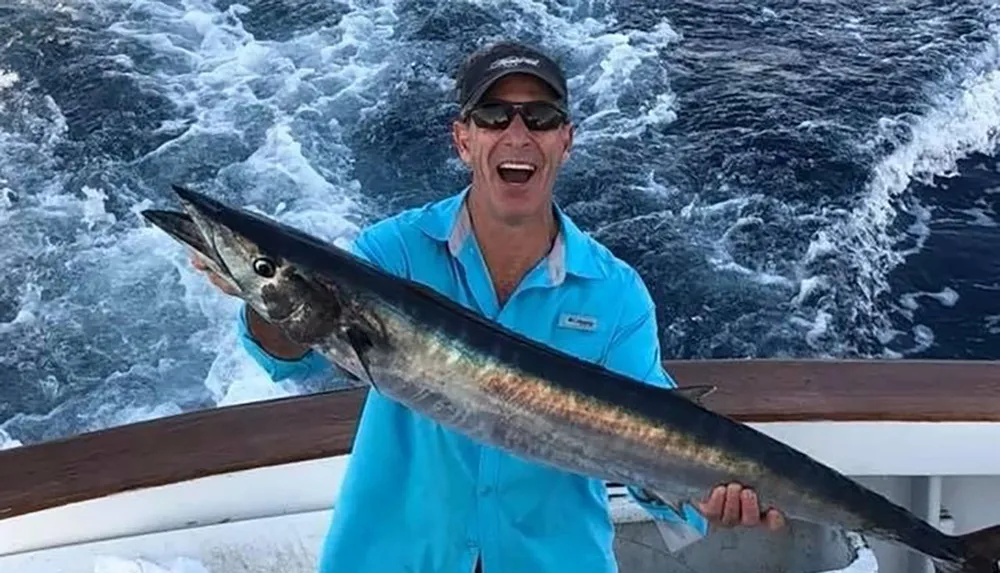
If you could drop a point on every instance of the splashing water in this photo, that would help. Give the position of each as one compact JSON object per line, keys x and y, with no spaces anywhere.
{"x":767,"y":199}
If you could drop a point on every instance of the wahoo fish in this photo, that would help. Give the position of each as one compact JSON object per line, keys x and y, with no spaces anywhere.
{"x":498,"y":387}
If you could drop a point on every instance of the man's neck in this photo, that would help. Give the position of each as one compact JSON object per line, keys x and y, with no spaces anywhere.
{"x":511,"y":250}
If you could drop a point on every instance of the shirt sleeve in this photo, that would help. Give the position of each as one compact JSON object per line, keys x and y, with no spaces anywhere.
{"x":634,"y":351}
{"x":308,"y":365}
{"x":379,"y":244}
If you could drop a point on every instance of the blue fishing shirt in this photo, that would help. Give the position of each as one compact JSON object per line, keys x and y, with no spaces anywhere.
{"x":421,"y":498}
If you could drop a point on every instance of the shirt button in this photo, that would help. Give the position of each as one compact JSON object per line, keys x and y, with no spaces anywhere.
{"x":471,"y":544}
{"x":485,"y":490}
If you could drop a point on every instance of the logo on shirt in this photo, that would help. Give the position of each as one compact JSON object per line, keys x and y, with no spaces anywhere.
{"x":578,"y":322}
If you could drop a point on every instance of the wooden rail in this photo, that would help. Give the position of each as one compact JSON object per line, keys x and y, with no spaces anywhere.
{"x":847,"y":390}
{"x":210,"y":442}
{"x":177,"y":448}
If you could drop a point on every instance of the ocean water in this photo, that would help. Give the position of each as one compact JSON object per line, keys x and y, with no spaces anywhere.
{"x":791,"y":179}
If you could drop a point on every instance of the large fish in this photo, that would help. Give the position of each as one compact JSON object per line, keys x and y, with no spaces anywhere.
{"x":496,"y":386}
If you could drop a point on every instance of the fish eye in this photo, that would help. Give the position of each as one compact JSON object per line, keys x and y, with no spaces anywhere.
{"x":264,"y":267}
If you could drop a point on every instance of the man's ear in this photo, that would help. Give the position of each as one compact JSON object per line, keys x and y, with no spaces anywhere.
{"x":568,"y":141}
{"x":460,"y":139}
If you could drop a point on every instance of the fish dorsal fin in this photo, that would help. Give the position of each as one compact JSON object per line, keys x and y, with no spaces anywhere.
{"x":695,"y":393}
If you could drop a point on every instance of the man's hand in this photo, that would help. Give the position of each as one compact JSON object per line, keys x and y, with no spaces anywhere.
{"x":732,"y":505}
{"x":219,"y":282}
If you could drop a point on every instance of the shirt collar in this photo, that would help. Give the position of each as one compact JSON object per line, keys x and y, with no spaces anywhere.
{"x":448,"y":221}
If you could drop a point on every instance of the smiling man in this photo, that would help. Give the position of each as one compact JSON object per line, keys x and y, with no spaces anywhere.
{"x":419,"y":497}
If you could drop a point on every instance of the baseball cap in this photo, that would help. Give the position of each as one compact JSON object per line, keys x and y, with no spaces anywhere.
{"x":489,"y":64}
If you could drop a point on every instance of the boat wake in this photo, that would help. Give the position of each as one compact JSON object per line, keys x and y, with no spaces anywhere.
{"x":770,"y":205}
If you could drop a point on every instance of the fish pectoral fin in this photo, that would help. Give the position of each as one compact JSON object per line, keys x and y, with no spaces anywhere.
{"x":360,"y":343}
{"x":680,"y":532}
{"x":695,"y":393}
{"x":677,"y":535}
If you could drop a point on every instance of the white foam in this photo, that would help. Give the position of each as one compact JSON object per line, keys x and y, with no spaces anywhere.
{"x":239,"y":85}
{"x":8,"y":79}
{"x":233,"y":379}
{"x":961,"y":121}
{"x":29,"y":305}
{"x":958,"y":125}
{"x":808,"y":287}
{"x":816,"y":335}
{"x":7,"y":442}
{"x":94,"y":212}
{"x":946,"y":297}
{"x":979,"y":216}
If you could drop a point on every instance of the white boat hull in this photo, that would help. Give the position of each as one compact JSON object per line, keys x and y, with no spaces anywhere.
{"x":291,"y":544}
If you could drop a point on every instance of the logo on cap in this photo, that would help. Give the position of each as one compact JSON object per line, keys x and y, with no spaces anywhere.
{"x":511,"y":61}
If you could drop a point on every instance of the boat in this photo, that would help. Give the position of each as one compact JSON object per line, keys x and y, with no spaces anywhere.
{"x":251,"y":487}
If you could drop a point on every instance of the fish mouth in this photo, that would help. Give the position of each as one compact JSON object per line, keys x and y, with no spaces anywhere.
{"x":189,"y":228}
{"x":182,"y":228}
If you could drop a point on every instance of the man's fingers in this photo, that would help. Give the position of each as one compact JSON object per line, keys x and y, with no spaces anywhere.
{"x":750,"y":511}
{"x":197,"y":263}
{"x":731,"y":508}
{"x":732,"y":505}
{"x":217,"y":281}
{"x":774,"y":520}
{"x":222,"y":285}
{"x":711,"y":508}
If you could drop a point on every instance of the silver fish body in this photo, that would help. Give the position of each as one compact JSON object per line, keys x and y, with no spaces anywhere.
{"x":503,"y":389}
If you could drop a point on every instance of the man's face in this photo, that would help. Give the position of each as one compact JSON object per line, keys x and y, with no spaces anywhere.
{"x":513,"y":169}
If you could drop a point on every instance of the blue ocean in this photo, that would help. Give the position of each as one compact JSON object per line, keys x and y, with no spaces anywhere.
{"x":792,"y":179}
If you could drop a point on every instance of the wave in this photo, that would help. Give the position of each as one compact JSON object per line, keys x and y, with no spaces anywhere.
{"x":889,"y":223}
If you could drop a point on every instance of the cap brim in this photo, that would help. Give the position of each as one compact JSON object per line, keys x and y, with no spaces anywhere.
{"x":491,"y":79}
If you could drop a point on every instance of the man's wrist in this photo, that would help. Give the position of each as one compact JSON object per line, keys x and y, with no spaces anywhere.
{"x":270,"y":338}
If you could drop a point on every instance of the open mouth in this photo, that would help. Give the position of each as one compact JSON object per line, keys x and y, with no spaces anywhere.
{"x":515,"y":171}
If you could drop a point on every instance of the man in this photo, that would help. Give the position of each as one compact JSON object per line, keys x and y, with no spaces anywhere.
{"x":420,"y":497}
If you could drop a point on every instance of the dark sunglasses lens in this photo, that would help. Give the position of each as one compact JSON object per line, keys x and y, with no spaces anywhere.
{"x":492,"y":116}
{"x":542,"y":116}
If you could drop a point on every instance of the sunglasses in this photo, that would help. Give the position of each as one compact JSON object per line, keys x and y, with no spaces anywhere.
{"x":536,"y":115}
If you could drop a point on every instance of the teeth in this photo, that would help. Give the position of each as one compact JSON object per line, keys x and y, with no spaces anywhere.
{"x":520,"y":166}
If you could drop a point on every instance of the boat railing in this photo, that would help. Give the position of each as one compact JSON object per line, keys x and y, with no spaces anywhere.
{"x":227,"y":439}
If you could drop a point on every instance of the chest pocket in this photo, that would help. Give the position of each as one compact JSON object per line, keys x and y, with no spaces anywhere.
{"x":580,"y":334}
{"x":576,"y":333}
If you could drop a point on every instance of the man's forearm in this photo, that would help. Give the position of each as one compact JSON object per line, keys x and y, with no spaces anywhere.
{"x":271,"y":339}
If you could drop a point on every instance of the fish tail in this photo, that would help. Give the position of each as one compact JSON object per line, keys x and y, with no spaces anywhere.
{"x":981,"y":553}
